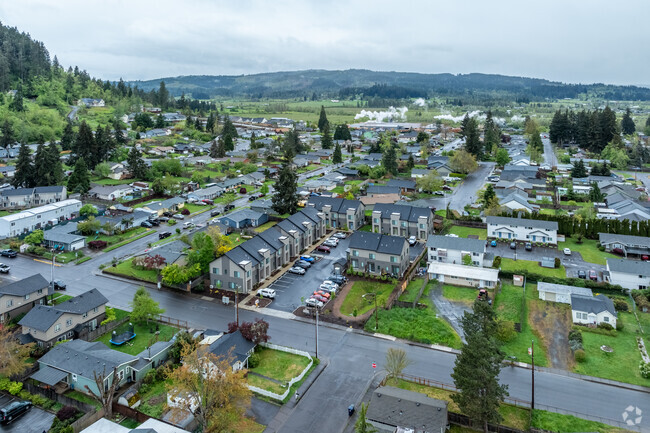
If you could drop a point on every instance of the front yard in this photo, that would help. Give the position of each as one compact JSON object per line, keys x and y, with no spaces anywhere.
{"x":511,"y":265}
{"x":588,"y":249}
{"x":146,"y":335}
{"x":126,"y":269}
{"x":466,"y":295}
{"x":275,"y":369}
{"x":355,"y":304}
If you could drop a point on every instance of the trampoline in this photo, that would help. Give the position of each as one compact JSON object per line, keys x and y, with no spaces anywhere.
{"x":124,"y":337}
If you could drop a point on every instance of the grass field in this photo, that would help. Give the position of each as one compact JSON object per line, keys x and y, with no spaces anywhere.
{"x":466,"y":295}
{"x":265,"y":226}
{"x":588,"y":249}
{"x":279,"y":365}
{"x":556,"y":422}
{"x":80,"y":396}
{"x":144,"y":337}
{"x":532,"y":267}
{"x":463,"y":232}
{"x":111,"y":240}
{"x":355,"y":300}
{"x":154,"y":398}
{"x":508,"y":304}
{"x":412,"y":290}
{"x":126,"y":269}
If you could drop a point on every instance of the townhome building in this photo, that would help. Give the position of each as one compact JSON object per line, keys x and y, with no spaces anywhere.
{"x":523,"y":230}
{"x":21,"y":198}
{"x":378,"y":254}
{"x":402,"y":220}
{"x":340,"y":212}
{"x":630,"y":274}
{"x":46,"y":325}
{"x":446,"y":249}
{"x":21,"y":296}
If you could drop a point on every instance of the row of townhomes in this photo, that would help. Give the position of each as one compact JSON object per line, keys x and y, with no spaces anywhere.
{"x":402,"y":220}
{"x":339,"y":212}
{"x":378,"y":254}
{"x":246,"y":266}
{"x":523,"y":230}
{"x":24,"y":198}
{"x":38,"y":218}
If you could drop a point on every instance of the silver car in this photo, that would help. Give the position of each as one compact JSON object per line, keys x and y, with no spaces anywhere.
{"x":297,"y":270}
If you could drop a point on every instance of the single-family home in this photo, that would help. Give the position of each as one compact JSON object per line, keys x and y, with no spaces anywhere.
{"x":46,"y":325}
{"x":588,"y":310}
{"x":170,"y":205}
{"x":233,"y":347}
{"x":405,"y":185}
{"x":419,"y":172}
{"x":370,"y":202}
{"x":91,"y":102}
{"x":463,"y":275}
{"x":19,"y":297}
{"x":523,"y":230}
{"x":440,"y":164}
{"x":399,"y":410}
{"x":340,"y":212}
{"x":208,"y":193}
{"x":378,"y":254}
{"x":263,"y":206}
{"x":110,"y":192}
{"x":630,"y":274}
{"x":560,"y":293}
{"x":402,"y":220}
{"x":518,"y":201}
{"x":372,"y":190}
{"x":64,"y":238}
{"x":635,"y":245}
{"x":447,"y":249}
{"x":243,"y":218}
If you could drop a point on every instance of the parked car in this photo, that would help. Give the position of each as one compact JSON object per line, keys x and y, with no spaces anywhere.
{"x":618,"y":251}
{"x":340,"y":235}
{"x":493,"y":243}
{"x":302,"y":264}
{"x":313,"y":302}
{"x":163,"y":219}
{"x":323,"y":293}
{"x":164,"y":235}
{"x":146,"y":224}
{"x":266,"y":293}
{"x":215,"y":212}
{"x":154,"y":223}
{"x":338,"y":279}
{"x":567,"y":251}
{"x":645,"y":258}
{"x":178,"y":216}
{"x":593,"y":275}
{"x":412,"y":240}
{"x":208,"y":201}
{"x":9,"y":253}
{"x":59,"y":285}
{"x":330,"y":243}
{"x":438,"y":193}
{"x":328,"y":289}
{"x":582,"y":274}
{"x":14,"y":410}
{"x":228,"y":207}
{"x":333,"y":239}
{"x":308,"y":259}
{"x":323,"y":249}
{"x":513,"y":245}
{"x":4,"y":268}
{"x":330,"y":283}
{"x":446,"y":188}
{"x":529,"y":246}
{"x":320,"y":298}
{"x":297,"y":270}
{"x":188,"y":225}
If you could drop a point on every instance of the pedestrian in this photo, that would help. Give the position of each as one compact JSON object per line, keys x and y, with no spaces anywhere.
{"x":297,"y":395}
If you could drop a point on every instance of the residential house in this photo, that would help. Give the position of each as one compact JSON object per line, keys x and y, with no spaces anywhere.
{"x":588,"y":310}
{"x":231,"y":184}
{"x":402,"y":411}
{"x":370,"y":202}
{"x":158,"y":132}
{"x":243,"y":218}
{"x":118,"y":171}
{"x":172,"y":205}
{"x":523,"y":230}
{"x":38,"y":218}
{"x":264,"y":206}
{"x":630,"y":274}
{"x":378,"y":254}
{"x":19,"y":297}
{"x":209,"y":193}
{"x":447,"y":249}
{"x":440,"y":164}
{"x":372,"y":190}
{"x":91,"y":102}
{"x":517,"y":201}
{"x":636,"y":245}
{"x":110,"y":192}
{"x":462,"y":275}
{"x":347,"y":172}
{"x":172,"y":253}
{"x":64,"y":238}
{"x":173,"y":117}
{"x":339,"y":212}
{"x":161,"y":150}
{"x":420,"y":172}
{"x":402,"y":220}
{"x":20,"y":198}
{"x":46,"y":325}
{"x":559,"y":292}
{"x":232,"y":346}
{"x":8,"y":171}
{"x":152,"y":425}
{"x":403,"y":184}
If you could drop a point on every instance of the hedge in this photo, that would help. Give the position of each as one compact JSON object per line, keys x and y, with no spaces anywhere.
{"x":578,"y":282}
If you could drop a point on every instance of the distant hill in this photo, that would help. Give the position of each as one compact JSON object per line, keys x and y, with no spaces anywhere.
{"x":385,"y":84}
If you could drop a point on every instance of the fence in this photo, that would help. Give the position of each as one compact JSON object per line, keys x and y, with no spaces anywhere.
{"x":87,"y":420}
{"x":102,"y":329}
{"x":175,"y":322}
{"x":475,"y":224}
{"x":465,"y":421}
{"x":130,"y":413}
{"x":281,"y":397}
{"x":408,"y":276}
{"x":59,"y":398}
{"x":145,"y":198}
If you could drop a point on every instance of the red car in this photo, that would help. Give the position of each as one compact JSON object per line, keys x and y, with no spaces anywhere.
{"x":593,"y":275}
{"x":324,"y":248}
{"x":323,"y":294}
{"x":618,"y":251}
{"x":323,"y":299}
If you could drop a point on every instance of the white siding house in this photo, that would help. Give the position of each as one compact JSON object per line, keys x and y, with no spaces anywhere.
{"x":588,"y":310}
{"x":446,"y":249}
{"x":524,"y":230}
{"x":461,"y":275}
{"x":37,"y":218}
{"x":631,"y":274}
{"x":560,"y":293}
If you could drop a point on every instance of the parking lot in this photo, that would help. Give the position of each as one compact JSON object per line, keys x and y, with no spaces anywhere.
{"x":34,"y":421}
{"x":290,"y":288}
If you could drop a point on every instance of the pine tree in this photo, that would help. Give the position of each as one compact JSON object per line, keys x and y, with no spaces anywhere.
{"x":228,"y":143}
{"x":68,"y":138}
{"x":160,"y":122}
{"x":579,"y":169}
{"x":326,"y":139}
{"x":492,"y":133}
{"x":608,"y":127}
{"x":163,"y":96}
{"x":472,"y":139}
{"x":109,"y":144}
{"x":253,"y":141}
{"x":322,"y":119}
{"x":24,"y":176}
{"x":54,"y":162}
{"x":7,"y":134}
{"x":411,"y":162}
{"x":389,"y":160}
{"x":135,"y":164}
{"x":337,"y":157}
{"x":217,"y":148}
{"x":84,"y":142}
{"x":197,"y":124}
{"x":229,"y":128}
{"x":98,"y":144}
{"x":210,"y":124}
{"x":41,"y":169}
{"x":79,"y":180}
{"x":285,"y":200}
{"x":477,"y":367}
{"x":595,"y":195}
{"x":17,"y":102}
{"x":463,"y":125}
{"x":627,"y":123}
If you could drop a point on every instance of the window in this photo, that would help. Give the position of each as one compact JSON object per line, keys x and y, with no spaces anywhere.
{"x":421,"y":226}
{"x":10,"y":303}
{"x":225,"y":271}
{"x":84,"y":315}
{"x":355,"y":253}
{"x":349,"y":217}
{"x":606,"y":319}
{"x":393,"y":259}
{"x":394,"y":222}
{"x":231,"y":285}
{"x":95,"y":309}
{"x":235,"y":274}
{"x":267,"y":260}
{"x":40,"y":291}
{"x":375,"y":220}
{"x":74,"y":377}
{"x":372,"y":256}
{"x":57,"y":327}
{"x":120,"y":375}
{"x":215,"y":271}
{"x":248,"y":273}
{"x":68,"y":322}
{"x":26,"y":296}
{"x":403,"y":223}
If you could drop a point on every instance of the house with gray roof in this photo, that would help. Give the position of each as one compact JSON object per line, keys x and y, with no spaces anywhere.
{"x":419,"y":172}
{"x":630,"y":274}
{"x":235,"y":347}
{"x":560,"y":293}
{"x":446,"y":249}
{"x":48,"y":324}
{"x":243,"y":218}
{"x":405,"y":185}
{"x":588,"y":310}
{"x":340,"y":212}
{"x":402,"y":220}
{"x":522,"y":230}
{"x":518,"y":201}
{"x":635,"y":245}
{"x":378,"y":254}
{"x":22,"y":198}
{"x":64,"y":238}
{"x":110,"y":192}
{"x":169,"y":205}
{"x":21,"y":296}
{"x":372,"y":190}
{"x":263,"y":206}
{"x":398,"y":410}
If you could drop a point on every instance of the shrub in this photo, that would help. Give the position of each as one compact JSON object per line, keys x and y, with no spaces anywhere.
{"x":171,"y":222}
{"x":558,"y":263}
{"x":601,"y":248}
{"x":575,"y":345}
{"x":15,"y":387}
{"x":505,"y":330}
{"x":644,"y":368}
{"x":496,"y":263}
{"x":185,"y":211}
{"x":150,"y":377}
{"x":580,"y":355}
{"x":619,"y":325}
{"x":97,"y":245}
{"x":14,"y":245}
{"x":620,"y":304}
{"x":110,"y":315}
{"x":254,"y":360}
{"x":606,"y":326}
{"x":575,"y":335}
{"x":4,"y":383}
{"x":66,"y":412}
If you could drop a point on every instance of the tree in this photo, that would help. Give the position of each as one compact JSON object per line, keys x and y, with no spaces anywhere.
{"x":202,"y":252}
{"x":411,"y":162}
{"x":477,"y":367}
{"x":17,"y":102}
{"x":285,"y":199}
{"x":488,"y":195}
{"x":229,"y":128}
{"x":222,"y":243}
{"x":88,"y":210}
{"x":257,"y":331}
{"x":646,"y":130}
{"x":24,"y":176}
{"x":491,"y":133}
{"x":463,"y":162}
{"x":463,"y":125}
{"x":228,"y":144}
{"x":362,"y":425}
{"x":7,"y":134}
{"x":103,"y":392}
{"x":342,"y":132}
{"x":103,"y":169}
{"x":160,"y":122}
{"x":143,"y":307}
{"x":90,"y":226}
{"x":423,"y":137}
{"x":84,"y":143}
{"x":163,"y":96}
{"x":119,"y":134}
{"x":211,"y":124}
{"x":135,"y":164}
{"x":503,"y":157}
{"x":472,"y":139}
{"x":322,"y":119}
{"x":430,"y":182}
{"x":579,"y":169}
{"x":337,"y":157}
{"x":220,"y":393}
{"x":217,"y":148}
{"x":389,"y":159}
{"x":264,"y":189}
{"x":530,"y":126}
{"x":326,"y":140}
{"x":396,"y":362}
{"x":35,"y":238}
{"x":13,"y":354}
{"x":616,"y":154}
{"x":627,"y":123}
{"x":176,"y":274}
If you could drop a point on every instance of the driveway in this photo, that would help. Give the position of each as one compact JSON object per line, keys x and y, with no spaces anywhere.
{"x":290,"y":288}
{"x":451,"y":311}
{"x":34,"y":421}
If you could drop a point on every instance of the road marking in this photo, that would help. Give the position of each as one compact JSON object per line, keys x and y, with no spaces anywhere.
{"x":47,"y":263}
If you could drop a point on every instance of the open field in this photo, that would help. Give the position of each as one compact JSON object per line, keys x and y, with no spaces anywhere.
{"x":355,"y":300}
{"x":463,"y":232}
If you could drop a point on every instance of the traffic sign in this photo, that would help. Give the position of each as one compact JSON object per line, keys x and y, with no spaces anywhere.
{"x":374,"y":365}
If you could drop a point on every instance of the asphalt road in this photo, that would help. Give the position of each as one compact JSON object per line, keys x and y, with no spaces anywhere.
{"x":549,"y":155}
{"x":35,"y":421}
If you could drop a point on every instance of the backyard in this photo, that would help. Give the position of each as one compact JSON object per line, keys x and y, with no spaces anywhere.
{"x":121,"y":239}
{"x":588,"y":249}
{"x":510,"y":265}
{"x":464,"y":232}
{"x":265,"y":226}
{"x":275,"y":369}
{"x":465,"y":295}
{"x":355,"y":304}
{"x":126,"y":269}
{"x":146,"y":335}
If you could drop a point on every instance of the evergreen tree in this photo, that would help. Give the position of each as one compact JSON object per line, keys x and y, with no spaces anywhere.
{"x":160,"y":122}
{"x":411,"y":162}
{"x":54,"y":162}
{"x":463,"y":125}
{"x":98,"y":144}
{"x":197,"y":124}
{"x":24,"y":176}
{"x":84,"y":142}
{"x":79,"y":180}
{"x":322,"y":119}
{"x":423,"y":137}
{"x":627,"y":123}
{"x":41,"y":170}
{"x":337,"y":157}
{"x":68,"y":138}
{"x":647,"y":126}
{"x":229,"y":128}
{"x":217,"y":148}
{"x":342,"y":132}
{"x":326,"y":139}
{"x":253,"y":141}
{"x":292,"y":142}
{"x":595,"y":195}
{"x":492,"y":133}
{"x":608,"y":128}
{"x":579,"y":169}
{"x":285,"y":200}
{"x":108,"y":145}
{"x":228,"y":144}
{"x":163,"y":96}
{"x":472,"y":139}
{"x":488,"y":195}
{"x":211,"y":124}
{"x":7,"y":134}
{"x":17,"y":103}
{"x":389,"y":160}
{"x":135,"y":164}
{"x":477,"y":367}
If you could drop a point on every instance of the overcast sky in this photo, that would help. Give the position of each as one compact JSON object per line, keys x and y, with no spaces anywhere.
{"x":565,"y":40}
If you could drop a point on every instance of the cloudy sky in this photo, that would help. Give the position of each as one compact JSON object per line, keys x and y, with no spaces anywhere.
{"x":566,"y":40}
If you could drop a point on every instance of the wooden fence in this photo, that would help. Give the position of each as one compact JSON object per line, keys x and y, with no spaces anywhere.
{"x":87,"y":420}
{"x":475,"y":224}
{"x":174,"y":322}
{"x":130,"y":413}
{"x":102,"y":329}
{"x":59,"y":398}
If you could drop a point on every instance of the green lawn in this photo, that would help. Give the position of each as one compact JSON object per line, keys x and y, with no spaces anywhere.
{"x":193,"y":208}
{"x":588,"y":249}
{"x":466,"y":295}
{"x":60,"y":297}
{"x":365,"y":228}
{"x":126,"y":269}
{"x":144,"y":337}
{"x":114,"y":239}
{"x":265,"y":226}
{"x":279,"y":365}
{"x":556,"y":422}
{"x":129,"y":423}
{"x":354,"y":299}
{"x":112,"y":181}
{"x":80,"y":396}
{"x":237,"y":239}
{"x":463,"y":232}
{"x":508,"y":303}
{"x":129,"y":240}
{"x":153,"y":398}
{"x":532,"y":267}
{"x":412,"y":290}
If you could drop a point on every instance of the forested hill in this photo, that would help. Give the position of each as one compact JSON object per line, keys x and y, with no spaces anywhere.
{"x":344,"y":84}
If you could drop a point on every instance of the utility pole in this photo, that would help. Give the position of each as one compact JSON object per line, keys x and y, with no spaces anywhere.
{"x":532,"y":355}
{"x":376,"y":318}
{"x":316,"y":308}
{"x":237,"y":304}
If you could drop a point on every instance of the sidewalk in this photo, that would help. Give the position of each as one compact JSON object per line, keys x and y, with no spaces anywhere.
{"x":373,"y":383}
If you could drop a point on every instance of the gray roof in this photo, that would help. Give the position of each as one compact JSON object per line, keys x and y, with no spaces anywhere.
{"x":339,"y":205}
{"x":25,"y":286}
{"x":538,"y":224}
{"x":383,"y":189}
{"x":595,"y":305}
{"x":402,"y":183}
{"x":42,"y":317}
{"x":406,"y":212}
{"x":377,"y":242}
{"x":48,"y":189}
{"x":17,"y":191}
{"x":234,"y":345}
{"x":625,"y":266}
{"x":563,"y":289}
{"x":49,"y":375}
{"x":627,"y":240}
{"x":402,"y":408}
{"x":241,"y":215}
{"x":61,"y":236}
{"x":450,"y":243}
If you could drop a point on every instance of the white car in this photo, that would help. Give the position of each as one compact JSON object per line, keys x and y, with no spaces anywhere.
{"x":330,"y":243}
{"x":267,"y":293}
{"x":412,"y":240}
{"x":178,"y":216}
{"x":312,"y":302}
{"x":567,"y":252}
{"x":340,"y":235}
{"x":328,"y":283}
{"x":297,"y":270}
{"x":333,"y":239}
